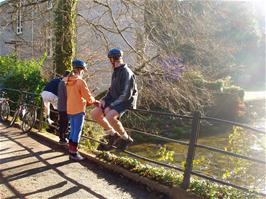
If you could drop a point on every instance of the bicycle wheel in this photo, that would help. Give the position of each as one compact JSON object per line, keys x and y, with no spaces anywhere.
{"x":28,"y":120}
{"x":14,"y":117}
{"x":4,"y":111}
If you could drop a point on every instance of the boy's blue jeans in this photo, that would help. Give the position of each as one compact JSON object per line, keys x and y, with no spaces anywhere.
{"x":76,"y":125}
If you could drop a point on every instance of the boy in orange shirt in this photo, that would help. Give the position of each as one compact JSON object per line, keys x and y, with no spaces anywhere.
{"x":78,"y":96}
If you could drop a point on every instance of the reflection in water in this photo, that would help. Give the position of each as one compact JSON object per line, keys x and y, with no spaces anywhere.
{"x":256,"y":108}
{"x":255,"y":95}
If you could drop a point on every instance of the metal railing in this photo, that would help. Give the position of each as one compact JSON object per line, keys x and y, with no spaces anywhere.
{"x":192,"y":145}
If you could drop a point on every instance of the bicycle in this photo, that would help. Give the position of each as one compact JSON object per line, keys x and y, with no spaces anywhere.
{"x":27,"y":113}
{"x":4,"y":107}
{"x":29,"y":119}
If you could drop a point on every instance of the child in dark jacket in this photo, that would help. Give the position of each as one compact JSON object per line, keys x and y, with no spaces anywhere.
{"x":49,"y":96}
{"x":62,"y":109}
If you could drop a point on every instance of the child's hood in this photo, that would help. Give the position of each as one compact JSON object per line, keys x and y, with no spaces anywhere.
{"x":72,"y":80}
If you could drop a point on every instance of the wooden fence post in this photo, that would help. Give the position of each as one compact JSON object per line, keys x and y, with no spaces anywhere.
{"x":191,"y":149}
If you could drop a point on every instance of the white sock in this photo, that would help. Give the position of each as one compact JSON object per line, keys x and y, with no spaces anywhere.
{"x":50,"y":121}
{"x":124,"y":136}
{"x":110,"y":131}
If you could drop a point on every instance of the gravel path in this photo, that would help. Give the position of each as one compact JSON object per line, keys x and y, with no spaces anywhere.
{"x":32,"y":168}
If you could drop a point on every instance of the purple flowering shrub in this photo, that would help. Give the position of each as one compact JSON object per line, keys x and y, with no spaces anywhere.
{"x":172,"y":67}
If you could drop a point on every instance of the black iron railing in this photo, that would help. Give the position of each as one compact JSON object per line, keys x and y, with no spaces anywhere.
{"x":192,"y":144}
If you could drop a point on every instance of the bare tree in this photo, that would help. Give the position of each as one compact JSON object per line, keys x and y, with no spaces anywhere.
{"x":65,"y":34}
{"x":169,"y":44}
{"x":162,"y":74}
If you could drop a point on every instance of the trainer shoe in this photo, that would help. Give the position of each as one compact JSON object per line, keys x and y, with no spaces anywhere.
{"x":122,"y":144}
{"x":103,"y":146}
{"x":50,"y":122}
{"x":76,"y":156}
{"x":110,"y":140}
{"x":62,"y":142}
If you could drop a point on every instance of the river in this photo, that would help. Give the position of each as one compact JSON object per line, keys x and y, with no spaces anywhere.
{"x":237,"y":140}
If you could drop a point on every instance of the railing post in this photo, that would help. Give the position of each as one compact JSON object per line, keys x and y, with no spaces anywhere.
{"x":191,"y":149}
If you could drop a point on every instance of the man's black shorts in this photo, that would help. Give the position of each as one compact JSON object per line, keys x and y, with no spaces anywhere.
{"x":121,"y":108}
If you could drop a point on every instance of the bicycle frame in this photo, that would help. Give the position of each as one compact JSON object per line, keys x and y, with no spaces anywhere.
{"x":22,"y":110}
{"x":4,"y":107}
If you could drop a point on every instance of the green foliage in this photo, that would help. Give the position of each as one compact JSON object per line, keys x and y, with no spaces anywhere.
{"x":171,"y":177}
{"x":164,"y":154}
{"x":21,"y":74}
{"x":92,"y":129}
{"x":6,"y":63}
{"x":91,"y":132}
{"x":221,"y":85}
{"x":201,"y":82}
{"x":214,"y":85}
{"x":207,"y":189}
{"x":235,"y":90}
{"x":164,"y":176}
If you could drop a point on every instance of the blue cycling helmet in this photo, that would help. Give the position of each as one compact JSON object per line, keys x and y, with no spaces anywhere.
{"x":77,"y":63}
{"x":115,"y":53}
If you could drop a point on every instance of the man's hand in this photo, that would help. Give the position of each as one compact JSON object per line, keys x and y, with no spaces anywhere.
{"x":97,"y":103}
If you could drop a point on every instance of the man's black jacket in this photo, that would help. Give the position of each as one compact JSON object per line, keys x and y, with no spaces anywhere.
{"x":123,"y":87}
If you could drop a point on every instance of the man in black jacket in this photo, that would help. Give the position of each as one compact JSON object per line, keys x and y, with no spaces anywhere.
{"x":121,"y":96}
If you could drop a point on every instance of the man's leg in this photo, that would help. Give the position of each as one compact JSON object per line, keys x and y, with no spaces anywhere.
{"x":98,"y":116}
{"x":112,"y":117}
{"x":110,"y":133}
{"x":45,"y":103}
{"x":46,"y":108}
{"x":47,"y":112}
{"x":47,"y":98}
{"x":54,"y":101}
{"x":122,"y":143}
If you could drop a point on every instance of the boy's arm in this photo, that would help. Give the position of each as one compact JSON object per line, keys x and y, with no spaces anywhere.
{"x":86,"y":94}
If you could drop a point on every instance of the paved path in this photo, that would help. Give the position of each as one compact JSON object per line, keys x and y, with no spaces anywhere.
{"x":32,"y":168}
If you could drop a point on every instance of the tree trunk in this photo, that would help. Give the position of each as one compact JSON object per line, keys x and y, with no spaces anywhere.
{"x":65,"y":34}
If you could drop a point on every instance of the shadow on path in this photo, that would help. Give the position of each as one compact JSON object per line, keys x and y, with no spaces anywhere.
{"x":30,"y":172}
{"x":123,"y":184}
